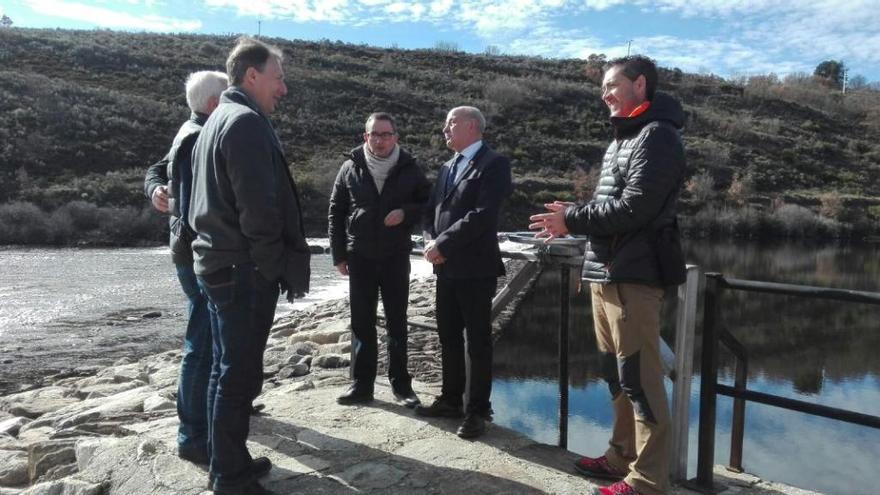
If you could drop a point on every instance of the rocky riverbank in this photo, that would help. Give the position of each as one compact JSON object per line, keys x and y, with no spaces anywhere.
{"x":114,"y":431}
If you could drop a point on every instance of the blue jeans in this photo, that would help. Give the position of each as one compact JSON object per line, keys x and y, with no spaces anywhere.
{"x":195,"y":367}
{"x":242,"y":305}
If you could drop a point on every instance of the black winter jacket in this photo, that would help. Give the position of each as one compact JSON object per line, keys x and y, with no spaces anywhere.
{"x":357,"y":210}
{"x":631,"y":221}
{"x":244,"y":205}
{"x":175,"y":171}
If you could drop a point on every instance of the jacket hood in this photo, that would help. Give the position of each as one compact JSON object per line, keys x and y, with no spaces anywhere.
{"x":663,"y":107}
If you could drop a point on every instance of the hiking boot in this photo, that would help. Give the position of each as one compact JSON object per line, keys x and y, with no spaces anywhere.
{"x":598,"y":467}
{"x":619,"y":488}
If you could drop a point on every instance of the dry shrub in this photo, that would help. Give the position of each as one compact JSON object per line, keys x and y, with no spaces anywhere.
{"x":701,"y":186}
{"x":831,"y":205}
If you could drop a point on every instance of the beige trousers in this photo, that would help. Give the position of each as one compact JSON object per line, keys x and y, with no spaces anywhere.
{"x":626,"y":318}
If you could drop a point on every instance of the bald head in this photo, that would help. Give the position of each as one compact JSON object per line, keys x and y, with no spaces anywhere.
{"x":464,"y":126}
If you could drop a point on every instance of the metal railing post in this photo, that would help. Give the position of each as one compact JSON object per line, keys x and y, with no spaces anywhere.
{"x":685,"y":321}
{"x":708,"y":380}
{"x":737,"y":428}
{"x":565,"y":302}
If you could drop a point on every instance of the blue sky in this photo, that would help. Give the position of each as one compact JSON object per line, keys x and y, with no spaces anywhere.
{"x":725,"y":37}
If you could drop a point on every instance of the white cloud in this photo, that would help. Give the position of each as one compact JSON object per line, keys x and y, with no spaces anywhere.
{"x":110,"y":18}
{"x":753,"y":36}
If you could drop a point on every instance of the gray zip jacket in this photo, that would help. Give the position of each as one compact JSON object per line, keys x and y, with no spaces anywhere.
{"x":244,"y":205}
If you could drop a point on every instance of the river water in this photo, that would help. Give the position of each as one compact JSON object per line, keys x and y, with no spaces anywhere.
{"x":63,"y":310}
{"x":816,"y":351}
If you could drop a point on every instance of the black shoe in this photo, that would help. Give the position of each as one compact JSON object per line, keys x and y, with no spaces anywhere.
{"x":355,"y":395}
{"x":257,"y":409}
{"x":259,"y":467}
{"x":473,"y":426}
{"x":487,"y":415}
{"x":408,"y":398}
{"x":251,"y":488}
{"x":194,"y":455}
{"x":440,"y":408}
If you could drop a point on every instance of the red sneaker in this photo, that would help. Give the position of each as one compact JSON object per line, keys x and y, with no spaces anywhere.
{"x":598,"y":467}
{"x":619,"y":488}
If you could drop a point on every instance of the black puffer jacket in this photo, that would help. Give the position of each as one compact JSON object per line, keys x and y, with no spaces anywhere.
{"x":631,"y":221}
{"x":357,"y":210}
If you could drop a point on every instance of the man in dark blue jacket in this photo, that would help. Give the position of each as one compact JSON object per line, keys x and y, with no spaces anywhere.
{"x":167,"y":184}
{"x":634,"y":251}
{"x":249,"y":244}
{"x":379,"y":195}
{"x":462,"y":232}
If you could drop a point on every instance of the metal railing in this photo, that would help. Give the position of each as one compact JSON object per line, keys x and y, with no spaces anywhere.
{"x":713,"y":334}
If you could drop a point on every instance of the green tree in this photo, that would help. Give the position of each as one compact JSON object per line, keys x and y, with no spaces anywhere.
{"x":831,"y":72}
{"x":5,"y":21}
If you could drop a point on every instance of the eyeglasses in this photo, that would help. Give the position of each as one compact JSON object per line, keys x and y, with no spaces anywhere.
{"x":381,"y":135}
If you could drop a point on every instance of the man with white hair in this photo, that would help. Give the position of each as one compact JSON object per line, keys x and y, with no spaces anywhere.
{"x":461,"y":229}
{"x":168,"y":184}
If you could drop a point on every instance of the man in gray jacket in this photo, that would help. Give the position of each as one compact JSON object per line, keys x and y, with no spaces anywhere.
{"x":167,"y":184}
{"x":249,"y":243}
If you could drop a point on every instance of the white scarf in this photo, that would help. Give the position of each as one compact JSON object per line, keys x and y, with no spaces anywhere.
{"x":380,"y":167}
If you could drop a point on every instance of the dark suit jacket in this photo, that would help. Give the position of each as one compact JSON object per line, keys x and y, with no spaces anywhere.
{"x":464,"y":220}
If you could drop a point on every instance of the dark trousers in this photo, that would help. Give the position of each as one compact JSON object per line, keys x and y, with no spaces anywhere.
{"x":366,"y":278}
{"x":464,"y":306}
{"x":195,"y":365}
{"x":242,"y":304}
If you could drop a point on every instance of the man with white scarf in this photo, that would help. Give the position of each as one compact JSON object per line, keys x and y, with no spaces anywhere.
{"x":377,"y":198}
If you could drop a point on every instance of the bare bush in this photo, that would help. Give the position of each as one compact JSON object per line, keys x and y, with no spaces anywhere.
{"x":701,"y":187}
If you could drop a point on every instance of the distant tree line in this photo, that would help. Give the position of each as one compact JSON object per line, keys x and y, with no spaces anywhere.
{"x":84,"y":113}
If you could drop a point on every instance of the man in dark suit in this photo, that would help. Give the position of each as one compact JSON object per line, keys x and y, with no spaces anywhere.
{"x":461,"y":228}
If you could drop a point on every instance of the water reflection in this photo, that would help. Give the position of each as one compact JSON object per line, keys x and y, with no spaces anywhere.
{"x":817,"y":351}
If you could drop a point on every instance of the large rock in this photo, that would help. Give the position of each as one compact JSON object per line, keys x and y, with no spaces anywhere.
{"x":293,"y":370}
{"x":331,"y":361}
{"x":327,"y":333}
{"x":11,"y":426}
{"x":65,"y":487}
{"x":340,"y":348}
{"x":13,"y":468}
{"x":158,"y":403}
{"x":35,"y":403}
{"x":95,"y":410}
{"x":49,"y":456}
{"x":106,"y":389}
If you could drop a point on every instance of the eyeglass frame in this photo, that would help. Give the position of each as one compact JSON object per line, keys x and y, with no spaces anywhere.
{"x":380,"y":135}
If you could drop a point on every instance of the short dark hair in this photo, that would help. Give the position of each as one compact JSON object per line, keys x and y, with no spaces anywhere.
{"x":635,"y":66}
{"x":381,"y":116}
{"x":249,"y":52}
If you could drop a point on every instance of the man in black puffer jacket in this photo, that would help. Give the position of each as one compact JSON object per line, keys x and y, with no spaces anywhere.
{"x":634,"y":250}
{"x":378,"y":196}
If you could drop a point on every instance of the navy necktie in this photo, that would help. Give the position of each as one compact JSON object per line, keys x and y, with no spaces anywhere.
{"x":453,"y":171}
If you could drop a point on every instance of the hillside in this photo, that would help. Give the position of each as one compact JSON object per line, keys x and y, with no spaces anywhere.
{"x":84,"y":113}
